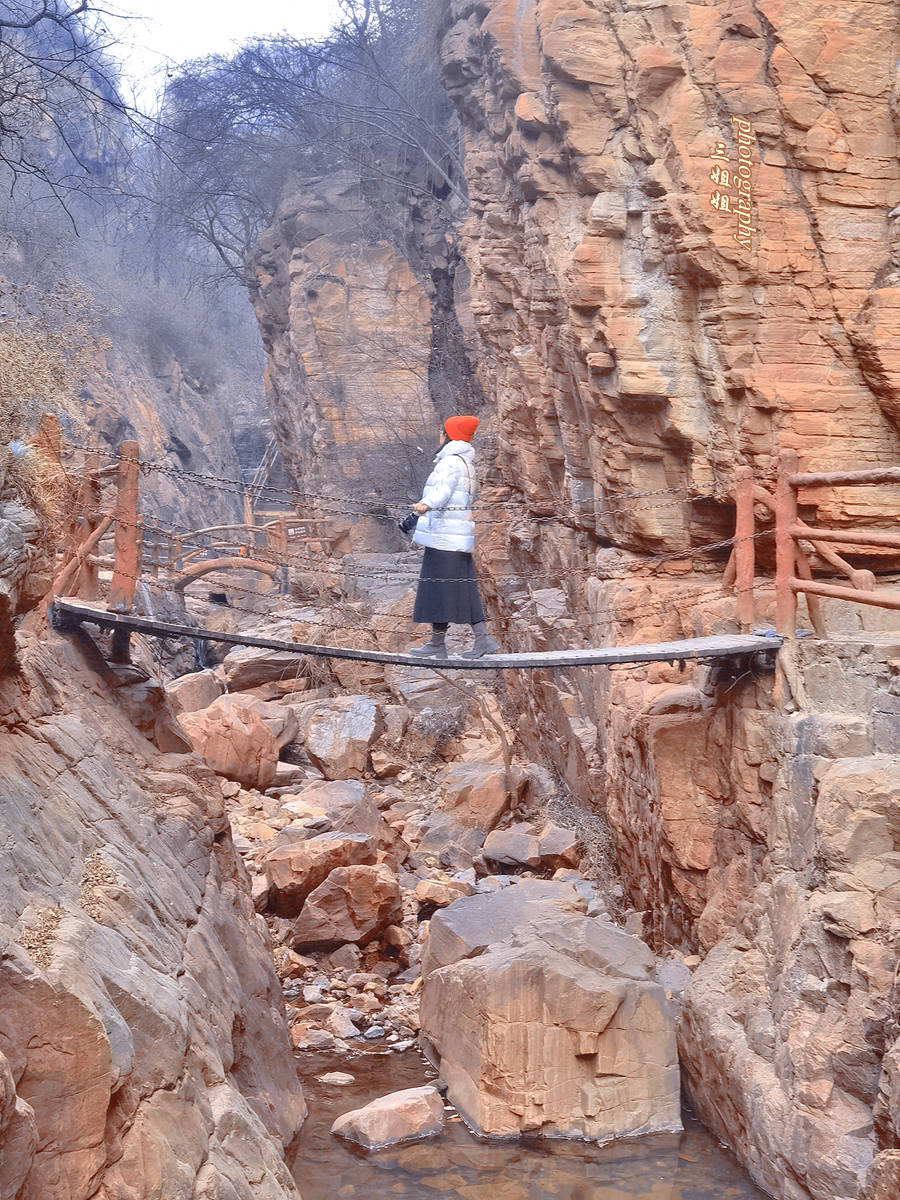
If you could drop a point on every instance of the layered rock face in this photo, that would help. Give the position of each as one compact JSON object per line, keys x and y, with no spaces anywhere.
{"x":636,"y":336}
{"x":346,"y":322}
{"x":143,"y":1044}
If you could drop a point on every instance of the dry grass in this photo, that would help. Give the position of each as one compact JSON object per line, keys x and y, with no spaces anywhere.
{"x":48,"y":344}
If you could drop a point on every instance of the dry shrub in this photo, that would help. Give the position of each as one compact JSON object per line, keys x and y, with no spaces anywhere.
{"x":48,"y":344}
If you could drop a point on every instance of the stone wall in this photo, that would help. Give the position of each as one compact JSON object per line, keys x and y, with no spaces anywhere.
{"x":143,"y":1044}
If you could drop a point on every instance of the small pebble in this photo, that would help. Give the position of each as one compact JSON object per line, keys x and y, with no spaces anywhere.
{"x":377,"y":1031}
{"x":339,"y":1078}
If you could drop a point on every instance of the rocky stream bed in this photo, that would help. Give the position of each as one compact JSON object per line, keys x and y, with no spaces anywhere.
{"x":424,"y":888}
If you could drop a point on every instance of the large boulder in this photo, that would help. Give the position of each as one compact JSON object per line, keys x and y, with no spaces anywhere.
{"x":339,"y":733}
{"x":279,"y":719}
{"x":405,"y":1116}
{"x":560,"y":1031}
{"x":546,"y":847}
{"x":192,"y":692}
{"x":295,"y":869}
{"x":517,"y":846}
{"x":354,"y":904}
{"x":250,"y":666}
{"x":475,"y":792}
{"x":348,"y":806}
{"x":454,"y":845}
{"x":235,"y":742}
{"x":472,"y":924}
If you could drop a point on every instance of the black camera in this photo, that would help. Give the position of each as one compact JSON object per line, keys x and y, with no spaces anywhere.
{"x":408,"y":524}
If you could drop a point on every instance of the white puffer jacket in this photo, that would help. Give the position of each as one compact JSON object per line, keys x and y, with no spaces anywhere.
{"x":449,"y":493}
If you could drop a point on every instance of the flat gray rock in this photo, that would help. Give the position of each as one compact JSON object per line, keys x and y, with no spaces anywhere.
{"x":468,"y":926}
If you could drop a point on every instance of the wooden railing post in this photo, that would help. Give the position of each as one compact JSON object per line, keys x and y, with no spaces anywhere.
{"x":48,"y":439}
{"x":128,"y":533}
{"x":785,"y":547}
{"x":744,"y":546}
{"x":283,"y":539}
{"x":87,"y":581}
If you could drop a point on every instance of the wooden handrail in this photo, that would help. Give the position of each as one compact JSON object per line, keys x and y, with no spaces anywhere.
{"x":744,"y":550}
{"x":198,"y":569}
{"x":128,"y":532}
{"x":850,"y":537}
{"x":837,"y":592}
{"x":219,"y":529}
{"x":793,"y":570}
{"x":785,"y":547}
{"x":843,"y":478}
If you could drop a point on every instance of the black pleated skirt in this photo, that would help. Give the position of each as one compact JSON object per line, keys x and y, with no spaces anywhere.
{"x":448,"y":590}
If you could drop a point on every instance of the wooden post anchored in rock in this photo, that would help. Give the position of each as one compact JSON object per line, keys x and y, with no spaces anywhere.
{"x":84,"y":520}
{"x":744,"y":546}
{"x":785,"y":546}
{"x":127,"y":544}
{"x":48,"y":439}
{"x":283,"y":546}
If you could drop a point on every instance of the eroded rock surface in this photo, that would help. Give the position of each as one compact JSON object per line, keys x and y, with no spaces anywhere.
{"x":141,"y":1022}
{"x":559,"y":1030}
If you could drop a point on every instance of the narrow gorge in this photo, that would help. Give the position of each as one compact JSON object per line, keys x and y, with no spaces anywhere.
{"x":284,"y":924}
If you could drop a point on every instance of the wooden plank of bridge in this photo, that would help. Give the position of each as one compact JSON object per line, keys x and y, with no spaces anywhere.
{"x":67,"y":613}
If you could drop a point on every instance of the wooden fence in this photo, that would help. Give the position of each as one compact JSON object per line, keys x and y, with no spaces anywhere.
{"x":793,"y":568}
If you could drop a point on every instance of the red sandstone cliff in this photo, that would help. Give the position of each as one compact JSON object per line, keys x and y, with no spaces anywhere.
{"x":629,"y":341}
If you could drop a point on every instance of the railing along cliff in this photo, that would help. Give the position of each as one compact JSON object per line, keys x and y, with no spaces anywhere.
{"x":793,"y":569}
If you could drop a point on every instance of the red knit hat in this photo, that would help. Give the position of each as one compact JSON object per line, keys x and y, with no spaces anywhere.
{"x":460,"y":429}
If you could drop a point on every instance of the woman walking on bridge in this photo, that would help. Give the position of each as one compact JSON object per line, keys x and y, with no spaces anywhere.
{"x":448,"y":590}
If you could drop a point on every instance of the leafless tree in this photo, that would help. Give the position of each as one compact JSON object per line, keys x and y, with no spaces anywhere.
{"x":233,"y":130}
{"x":63,"y":122}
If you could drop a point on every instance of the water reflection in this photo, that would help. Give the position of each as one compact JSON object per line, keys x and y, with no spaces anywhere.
{"x":689,"y":1166}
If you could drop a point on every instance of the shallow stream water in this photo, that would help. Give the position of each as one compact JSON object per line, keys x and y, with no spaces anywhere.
{"x":687,"y":1166}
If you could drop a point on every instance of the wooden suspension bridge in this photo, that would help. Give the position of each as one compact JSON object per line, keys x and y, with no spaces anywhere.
{"x":73,"y":599}
{"x":68,"y":615}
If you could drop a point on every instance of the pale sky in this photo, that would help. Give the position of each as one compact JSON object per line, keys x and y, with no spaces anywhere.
{"x":170,"y":31}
